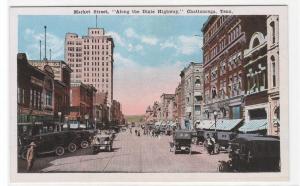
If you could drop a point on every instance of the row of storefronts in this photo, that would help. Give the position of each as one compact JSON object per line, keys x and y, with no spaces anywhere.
{"x":237,"y":85}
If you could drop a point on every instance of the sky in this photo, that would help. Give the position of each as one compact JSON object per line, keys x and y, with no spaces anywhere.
{"x":150,"y":51}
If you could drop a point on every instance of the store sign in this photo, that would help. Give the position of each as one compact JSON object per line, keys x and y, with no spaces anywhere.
{"x":36,"y":81}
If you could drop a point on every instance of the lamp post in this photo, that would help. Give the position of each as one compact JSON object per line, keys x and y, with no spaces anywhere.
{"x":215,"y":116}
{"x":86,"y":117}
{"x":59,"y":127}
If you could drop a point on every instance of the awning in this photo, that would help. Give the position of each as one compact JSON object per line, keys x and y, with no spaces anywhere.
{"x":226,"y":124}
{"x":205,"y":124}
{"x":254,"y":125}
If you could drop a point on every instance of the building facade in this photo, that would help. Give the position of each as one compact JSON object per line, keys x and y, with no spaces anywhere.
{"x":37,"y":98}
{"x":81,"y":105}
{"x":273,"y":73}
{"x":166,"y":107}
{"x":116,"y":112}
{"x":62,"y":73}
{"x":91,"y":59}
{"x":225,"y":39}
{"x":100,"y":110}
{"x":193,"y":94}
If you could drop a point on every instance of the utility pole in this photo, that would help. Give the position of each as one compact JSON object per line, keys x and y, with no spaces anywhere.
{"x":40,"y":50}
{"x":96,"y":21}
{"x":45,"y":27}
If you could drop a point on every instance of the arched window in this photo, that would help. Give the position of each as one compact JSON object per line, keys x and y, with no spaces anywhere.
{"x":272,"y":24}
{"x":255,"y":42}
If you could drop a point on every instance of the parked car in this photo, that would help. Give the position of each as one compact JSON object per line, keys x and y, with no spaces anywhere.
{"x":55,"y":142}
{"x":84,"y":138}
{"x":182,"y":140}
{"x":254,"y":153}
{"x":102,"y":142}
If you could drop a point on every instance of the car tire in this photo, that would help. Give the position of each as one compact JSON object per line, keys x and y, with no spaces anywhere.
{"x":72,"y":147}
{"x":59,"y":151}
{"x":24,"y":155}
{"x":84,"y":144}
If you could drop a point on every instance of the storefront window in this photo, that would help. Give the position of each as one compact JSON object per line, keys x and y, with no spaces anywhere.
{"x":236,"y":112}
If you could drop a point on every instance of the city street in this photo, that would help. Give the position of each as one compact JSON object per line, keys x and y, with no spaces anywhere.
{"x":131,"y":154}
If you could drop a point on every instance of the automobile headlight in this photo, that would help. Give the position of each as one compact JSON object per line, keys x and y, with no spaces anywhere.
{"x":106,"y":142}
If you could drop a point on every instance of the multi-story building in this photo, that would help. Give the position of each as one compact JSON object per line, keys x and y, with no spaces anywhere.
{"x":178,"y":104}
{"x":38,"y":98}
{"x":256,"y":87}
{"x":82,"y":97}
{"x":117,"y":115}
{"x":166,"y":113}
{"x":62,"y":74}
{"x":273,"y":73}
{"x":225,"y":39}
{"x":193,"y":94}
{"x":101,"y":112}
{"x":91,"y":59}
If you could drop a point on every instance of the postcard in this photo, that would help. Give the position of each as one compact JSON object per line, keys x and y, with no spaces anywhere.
{"x":149,"y":93}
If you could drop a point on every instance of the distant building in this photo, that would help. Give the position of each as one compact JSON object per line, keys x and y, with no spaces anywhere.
{"x":192,"y":96}
{"x":116,"y":112}
{"x":101,"y":111}
{"x":91,"y":59}
{"x":166,"y":110}
{"x":82,"y":102}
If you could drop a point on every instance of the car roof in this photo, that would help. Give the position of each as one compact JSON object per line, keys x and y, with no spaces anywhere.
{"x":257,"y":138}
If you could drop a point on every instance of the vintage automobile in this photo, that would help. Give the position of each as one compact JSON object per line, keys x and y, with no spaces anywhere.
{"x":182,"y":140}
{"x":55,"y":142}
{"x":84,"y":138}
{"x":223,"y":138}
{"x":102,"y":142}
{"x":254,"y":153}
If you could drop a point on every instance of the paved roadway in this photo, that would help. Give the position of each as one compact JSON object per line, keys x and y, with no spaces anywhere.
{"x":131,"y":154}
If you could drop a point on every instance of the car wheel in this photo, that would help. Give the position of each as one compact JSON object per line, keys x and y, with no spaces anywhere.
{"x":72,"y":147}
{"x":24,"y":155}
{"x":59,"y":151}
{"x":84,"y":144}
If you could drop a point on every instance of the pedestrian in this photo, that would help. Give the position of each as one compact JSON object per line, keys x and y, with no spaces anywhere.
{"x":135,"y":131}
{"x":209,"y":144}
{"x":30,"y":157}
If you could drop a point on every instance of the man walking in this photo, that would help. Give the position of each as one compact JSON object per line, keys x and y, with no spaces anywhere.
{"x":30,"y":156}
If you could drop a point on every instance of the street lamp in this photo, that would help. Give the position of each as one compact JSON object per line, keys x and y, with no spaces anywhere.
{"x":215,"y":116}
{"x":59,"y":115}
{"x":86,"y":117}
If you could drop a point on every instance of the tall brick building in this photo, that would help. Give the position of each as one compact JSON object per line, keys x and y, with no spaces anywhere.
{"x":91,"y":59}
{"x":225,"y":39}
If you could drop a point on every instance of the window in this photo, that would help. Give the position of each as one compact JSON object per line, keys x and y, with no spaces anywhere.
{"x":272,"y":24}
{"x":273,"y":71}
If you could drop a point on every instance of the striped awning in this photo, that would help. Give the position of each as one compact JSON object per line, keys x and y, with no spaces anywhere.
{"x":254,"y":125}
{"x":226,"y":124}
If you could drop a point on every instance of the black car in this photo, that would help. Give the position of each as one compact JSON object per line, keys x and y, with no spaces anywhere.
{"x":182,"y":141}
{"x":254,"y":153}
{"x":84,"y":138}
{"x":55,"y":142}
